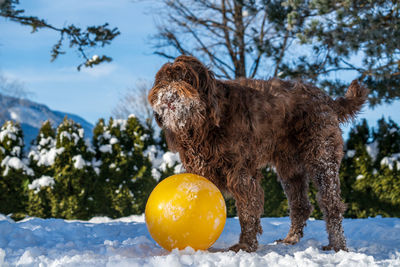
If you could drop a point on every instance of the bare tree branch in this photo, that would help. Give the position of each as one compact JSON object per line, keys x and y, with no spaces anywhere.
{"x":236,"y":37}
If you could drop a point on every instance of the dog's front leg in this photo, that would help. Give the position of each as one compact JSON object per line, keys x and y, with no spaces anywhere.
{"x":249,"y":197}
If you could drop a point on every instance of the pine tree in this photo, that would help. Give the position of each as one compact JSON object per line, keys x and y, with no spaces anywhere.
{"x":358,"y":36}
{"x":370,"y":186}
{"x":275,"y":202}
{"x":42,"y":155}
{"x":386,"y":182}
{"x":14,"y":172}
{"x":143,"y":182}
{"x":387,"y":137}
{"x":124,"y":171}
{"x":101,"y":147}
{"x":74,"y":175}
{"x":42,"y":152}
{"x":355,"y":148}
{"x":39,"y":197}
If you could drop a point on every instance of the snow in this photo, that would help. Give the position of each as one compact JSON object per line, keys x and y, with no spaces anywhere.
{"x":76,"y":137}
{"x":46,"y":141}
{"x":16,"y":164}
{"x":169,"y":159}
{"x":350,"y":153}
{"x":113,"y":140}
{"x":10,"y":131}
{"x":155,"y":174}
{"x":119,"y":123}
{"x":81,"y":132}
{"x":373,"y":150}
{"x":360,"y":176}
{"x":126,"y":242}
{"x":391,"y":161}
{"x":66,"y":135}
{"x":16,"y":151}
{"x":41,"y":182}
{"x":163,"y":160}
{"x":96,"y":165}
{"x":45,"y":157}
{"x":79,"y":162}
{"x":105,"y":149}
{"x":175,"y":110}
{"x":106,"y":135}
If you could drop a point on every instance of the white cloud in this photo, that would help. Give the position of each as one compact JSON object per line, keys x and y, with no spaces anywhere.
{"x":100,"y":70}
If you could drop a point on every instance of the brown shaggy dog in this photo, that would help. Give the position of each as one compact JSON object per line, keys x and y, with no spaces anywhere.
{"x":227,"y":131}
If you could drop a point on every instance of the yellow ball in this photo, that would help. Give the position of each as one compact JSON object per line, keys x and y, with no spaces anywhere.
{"x":185,"y":210}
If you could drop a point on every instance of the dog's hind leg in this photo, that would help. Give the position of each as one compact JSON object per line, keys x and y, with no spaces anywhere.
{"x":296,"y":190}
{"x":249,"y":197}
{"x":325,"y":175}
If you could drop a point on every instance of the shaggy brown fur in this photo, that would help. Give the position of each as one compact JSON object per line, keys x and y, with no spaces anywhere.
{"x":228,"y":131}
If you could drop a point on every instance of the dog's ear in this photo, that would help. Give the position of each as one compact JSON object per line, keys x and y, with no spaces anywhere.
{"x":213,"y":98}
{"x":203,"y":80}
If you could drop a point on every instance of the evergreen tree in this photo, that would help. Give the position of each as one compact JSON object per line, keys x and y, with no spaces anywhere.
{"x":14,"y":172}
{"x":101,"y":147}
{"x":42,"y":155}
{"x":386,"y":182}
{"x":143,"y":182}
{"x":39,"y":197}
{"x":369,"y":185}
{"x":74,"y":175}
{"x":42,"y":152}
{"x":387,"y":138}
{"x":275,"y":202}
{"x":361,"y":200}
{"x":359,"y":36}
{"x":125,"y":172}
{"x":356,"y":156}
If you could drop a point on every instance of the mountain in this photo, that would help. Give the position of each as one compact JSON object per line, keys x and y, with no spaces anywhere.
{"x":31,"y":115}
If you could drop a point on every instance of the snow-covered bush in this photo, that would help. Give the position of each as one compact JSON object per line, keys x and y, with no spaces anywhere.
{"x":42,"y":155}
{"x":14,"y":169}
{"x":125,"y":179}
{"x":369,"y":173}
{"x":66,"y":176}
{"x":164,"y":164}
{"x":74,"y":174}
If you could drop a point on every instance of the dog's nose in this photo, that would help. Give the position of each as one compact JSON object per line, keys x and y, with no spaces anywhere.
{"x":171,"y":106}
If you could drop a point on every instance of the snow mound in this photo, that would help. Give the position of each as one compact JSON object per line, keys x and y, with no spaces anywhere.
{"x":41,"y":182}
{"x":126,"y":242}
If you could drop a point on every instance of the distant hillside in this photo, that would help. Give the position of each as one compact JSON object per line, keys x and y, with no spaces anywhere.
{"x":31,"y":115}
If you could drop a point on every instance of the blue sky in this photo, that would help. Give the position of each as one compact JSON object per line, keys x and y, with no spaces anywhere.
{"x":93,"y":93}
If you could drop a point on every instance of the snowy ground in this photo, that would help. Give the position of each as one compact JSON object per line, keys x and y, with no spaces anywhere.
{"x":126,"y":242}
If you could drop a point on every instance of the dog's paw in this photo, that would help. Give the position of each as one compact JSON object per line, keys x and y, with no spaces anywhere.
{"x":335,"y":248}
{"x":244,"y":247}
{"x":289,"y":240}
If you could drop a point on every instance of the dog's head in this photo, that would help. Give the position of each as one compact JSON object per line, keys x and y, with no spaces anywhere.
{"x":184,"y":94}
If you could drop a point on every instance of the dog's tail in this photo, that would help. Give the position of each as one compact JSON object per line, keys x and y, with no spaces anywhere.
{"x":347,"y":107}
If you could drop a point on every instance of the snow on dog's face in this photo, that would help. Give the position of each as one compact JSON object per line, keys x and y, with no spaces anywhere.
{"x":175,"y":110}
{"x":180,"y":94}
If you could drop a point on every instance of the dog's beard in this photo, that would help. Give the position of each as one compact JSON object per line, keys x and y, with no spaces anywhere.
{"x":177,"y":112}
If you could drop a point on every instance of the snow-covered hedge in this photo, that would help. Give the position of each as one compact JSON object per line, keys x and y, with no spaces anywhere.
{"x":65,"y":175}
